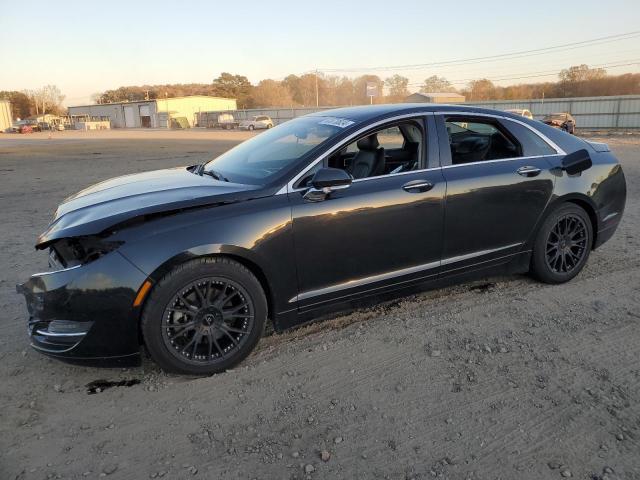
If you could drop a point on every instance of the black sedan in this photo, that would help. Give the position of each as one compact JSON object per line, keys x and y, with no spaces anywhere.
{"x":318,"y":214}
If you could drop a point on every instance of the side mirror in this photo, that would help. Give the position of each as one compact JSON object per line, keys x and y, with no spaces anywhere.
{"x":576,"y":162}
{"x":325,"y":181}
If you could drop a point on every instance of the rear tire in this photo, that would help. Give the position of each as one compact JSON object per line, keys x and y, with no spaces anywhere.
{"x":204,"y":317}
{"x":250,"y":128}
{"x":562,"y":245}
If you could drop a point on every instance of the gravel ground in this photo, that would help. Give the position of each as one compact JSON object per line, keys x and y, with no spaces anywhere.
{"x":503,"y":378}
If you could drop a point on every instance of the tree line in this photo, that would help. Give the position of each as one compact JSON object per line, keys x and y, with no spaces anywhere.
{"x":39,"y":101}
{"x":327,"y":90}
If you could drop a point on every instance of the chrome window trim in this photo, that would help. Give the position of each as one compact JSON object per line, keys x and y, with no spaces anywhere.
{"x":559,"y":151}
{"x":398,"y":273}
{"x":551,"y":143}
{"x":500,"y":160}
{"x":288,"y":187}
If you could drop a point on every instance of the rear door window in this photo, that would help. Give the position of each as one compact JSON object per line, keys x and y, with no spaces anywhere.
{"x":476,"y":140}
{"x":532,"y":144}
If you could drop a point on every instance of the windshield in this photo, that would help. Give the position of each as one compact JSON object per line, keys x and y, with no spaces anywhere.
{"x":260,"y":159}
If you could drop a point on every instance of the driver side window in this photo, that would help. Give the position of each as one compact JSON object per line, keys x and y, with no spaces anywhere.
{"x":392,"y":149}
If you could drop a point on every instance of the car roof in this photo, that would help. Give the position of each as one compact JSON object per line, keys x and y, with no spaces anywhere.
{"x":369,"y":112}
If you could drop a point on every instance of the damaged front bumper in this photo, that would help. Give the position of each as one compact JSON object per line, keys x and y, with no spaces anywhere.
{"x":85,"y":312}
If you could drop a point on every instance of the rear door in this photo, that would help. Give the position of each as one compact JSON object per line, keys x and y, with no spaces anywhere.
{"x":498,"y":184}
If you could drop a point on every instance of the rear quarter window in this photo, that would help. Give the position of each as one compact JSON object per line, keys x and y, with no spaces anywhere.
{"x":532,"y":144}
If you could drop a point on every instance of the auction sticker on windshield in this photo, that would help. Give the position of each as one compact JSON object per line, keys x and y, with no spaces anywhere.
{"x":337,"y":122}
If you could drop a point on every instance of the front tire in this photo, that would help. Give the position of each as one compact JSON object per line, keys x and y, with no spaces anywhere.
{"x":563,"y":244}
{"x":204,"y":317}
{"x":250,"y":128}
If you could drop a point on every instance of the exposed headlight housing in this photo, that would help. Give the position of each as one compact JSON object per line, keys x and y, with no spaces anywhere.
{"x":70,"y":252}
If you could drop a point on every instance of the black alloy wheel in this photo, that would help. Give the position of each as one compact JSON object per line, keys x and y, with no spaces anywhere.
{"x":562,"y":245}
{"x":206,"y":320}
{"x":204,"y":316}
{"x":566,"y":243}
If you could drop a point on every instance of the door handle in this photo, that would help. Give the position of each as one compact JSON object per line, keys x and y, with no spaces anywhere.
{"x":415,"y":186}
{"x":528,"y":171}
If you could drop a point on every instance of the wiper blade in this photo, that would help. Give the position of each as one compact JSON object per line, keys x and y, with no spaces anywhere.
{"x":214,"y":174}
{"x":199,"y":170}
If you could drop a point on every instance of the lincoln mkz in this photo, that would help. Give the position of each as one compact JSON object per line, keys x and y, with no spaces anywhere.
{"x":318,"y":214}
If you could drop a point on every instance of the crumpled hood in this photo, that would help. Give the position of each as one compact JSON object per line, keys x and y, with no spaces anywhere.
{"x":113,"y":201}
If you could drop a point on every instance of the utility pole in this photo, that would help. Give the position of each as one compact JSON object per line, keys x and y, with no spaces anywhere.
{"x":317,"y":95}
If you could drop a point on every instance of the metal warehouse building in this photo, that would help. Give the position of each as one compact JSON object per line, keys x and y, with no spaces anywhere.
{"x":445,"y":97}
{"x":5,"y":115}
{"x":153,"y":113}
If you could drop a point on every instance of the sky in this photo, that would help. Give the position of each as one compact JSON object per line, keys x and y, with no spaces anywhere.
{"x":86,"y":47}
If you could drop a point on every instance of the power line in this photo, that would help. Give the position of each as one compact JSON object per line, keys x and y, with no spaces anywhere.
{"x":544,"y":73}
{"x":502,"y":56}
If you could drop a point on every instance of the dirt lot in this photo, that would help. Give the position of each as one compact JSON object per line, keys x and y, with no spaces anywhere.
{"x":500,"y":379}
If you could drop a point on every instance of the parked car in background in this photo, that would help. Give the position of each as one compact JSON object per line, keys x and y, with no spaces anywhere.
{"x":28,"y":126}
{"x":257,"y":122}
{"x":563,"y":121}
{"x":309,"y":217}
{"x":226,"y":121}
{"x":522,"y":112}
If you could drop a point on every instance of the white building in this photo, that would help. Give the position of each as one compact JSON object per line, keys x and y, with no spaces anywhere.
{"x":5,"y":115}
{"x":152,"y":113}
{"x":436,"y":97}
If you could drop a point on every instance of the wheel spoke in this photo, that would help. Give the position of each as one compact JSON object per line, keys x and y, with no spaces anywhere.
{"x":207,"y":292}
{"x":235,"y":316}
{"x":226,"y":299}
{"x":218,"y":347}
{"x":233,"y":339}
{"x":574,"y":257}
{"x":233,"y":329}
{"x":209,"y":345}
{"x":181,"y":327}
{"x":220,"y":296}
{"x":198,"y":337}
{"x":235,"y":309}
{"x":200,"y":295}
{"x":190,"y":342}
{"x":187,"y":303}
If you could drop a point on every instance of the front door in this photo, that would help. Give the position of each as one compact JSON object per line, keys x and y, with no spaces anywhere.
{"x":382,"y":230}
{"x":498,"y":184}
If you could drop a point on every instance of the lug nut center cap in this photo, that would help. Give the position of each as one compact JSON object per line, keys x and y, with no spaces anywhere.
{"x":211,"y":318}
